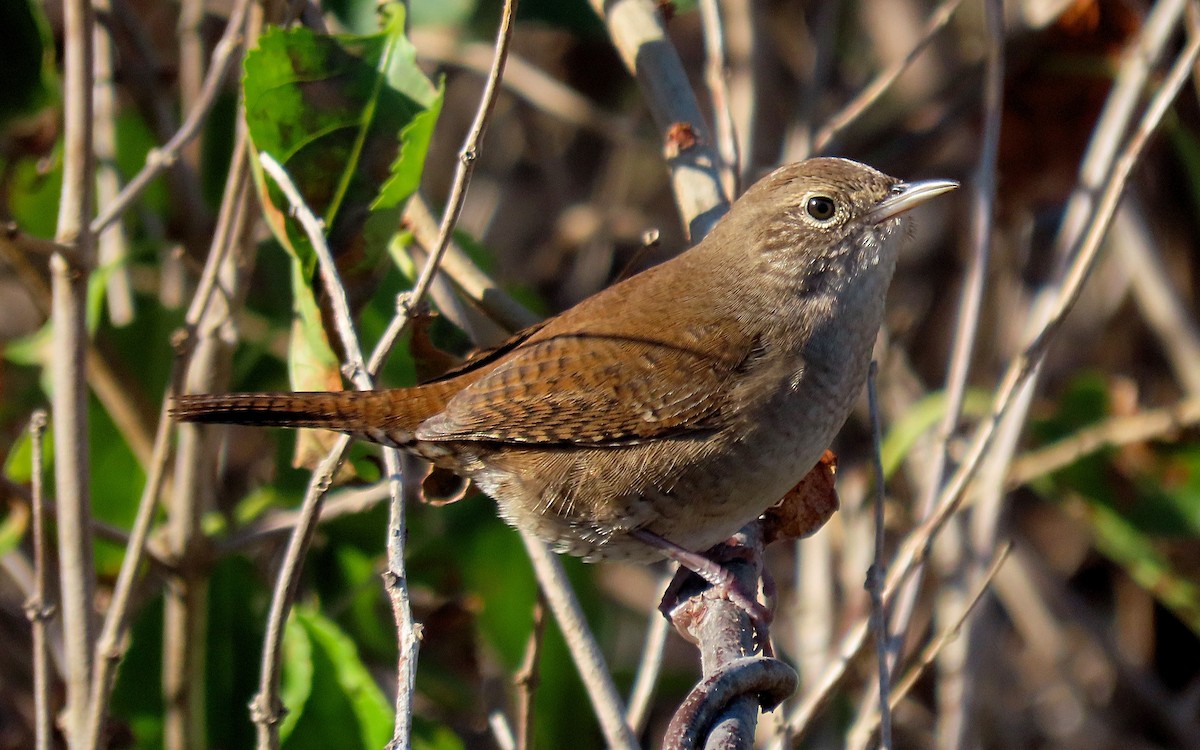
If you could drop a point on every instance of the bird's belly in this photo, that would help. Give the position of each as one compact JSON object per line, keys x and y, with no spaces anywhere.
{"x":693,"y":492}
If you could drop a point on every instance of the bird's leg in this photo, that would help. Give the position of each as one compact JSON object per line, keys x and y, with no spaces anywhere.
{"x":716,"y":575}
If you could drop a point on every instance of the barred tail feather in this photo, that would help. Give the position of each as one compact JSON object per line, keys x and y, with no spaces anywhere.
{"x":381,"y":416}
{"x":264,"y":409}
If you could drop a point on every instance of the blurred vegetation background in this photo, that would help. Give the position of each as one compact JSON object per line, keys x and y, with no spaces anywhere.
{"x":1090,"y":633}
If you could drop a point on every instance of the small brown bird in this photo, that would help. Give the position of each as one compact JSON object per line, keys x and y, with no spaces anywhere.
{"x":665,"y":412}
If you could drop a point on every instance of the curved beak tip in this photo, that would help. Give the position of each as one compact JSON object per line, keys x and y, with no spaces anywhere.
{"x":908,"y":195}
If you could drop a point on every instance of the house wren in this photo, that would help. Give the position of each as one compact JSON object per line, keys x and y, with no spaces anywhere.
{"x":667,"y":411}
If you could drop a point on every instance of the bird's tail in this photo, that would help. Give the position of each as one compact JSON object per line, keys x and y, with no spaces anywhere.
{"x":384,"y":416}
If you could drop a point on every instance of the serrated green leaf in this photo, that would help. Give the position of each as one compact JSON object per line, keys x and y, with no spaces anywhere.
{"x":410,"y":162}
{"x":350,"y":118}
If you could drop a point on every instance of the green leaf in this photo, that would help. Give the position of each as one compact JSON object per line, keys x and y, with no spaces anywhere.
{"x":33,"y":198}
{"x":296,"y":682}
{"x":451,"y":13}
{"x":34,"y":348}
{"x":1140,"y":512}
{"x":920,"y":419}
{"x":343,"y":706}
{"x":18,"y":467}
{"x":1126,"y":545}
{"x":13,"y":527}
{"x":350,"y":118}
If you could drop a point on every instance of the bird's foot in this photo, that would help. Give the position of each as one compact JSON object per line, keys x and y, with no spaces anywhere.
{"x":711,"y":567}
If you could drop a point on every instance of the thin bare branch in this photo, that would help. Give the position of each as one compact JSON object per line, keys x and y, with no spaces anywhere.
{"x":266,"y":711}
{"x":68,"y":284}
{"x":878,"y":571}
{"x":528,"y":82}
{"x":637,"y":31}
{"x":108,"y":387}
{"x":109,"y":649}
{"x":361,"y":375}
{"x":1154,"y":424}
{"x":526,"y":678}
{"x":949,"y":632}
{"x":210,"y":343}
{"x":408,"y":636}
{"x":966,"y":330}
{"x":648,"y":669}
{"x":112,"y":244}
{"x":580,"y":642}
{"x":116,"y":621}
{"x":468,"y":154}
{"x":38,"y":608}
{"x":716,"y":76}
{"x":1157,"y":296}
{"x":501,"y":732}
{"x":277,"y":522}
{"x":883,"y":81}
{"x":314,"y":228}
{"x":162,"y":158}
{"x":481,"y":290}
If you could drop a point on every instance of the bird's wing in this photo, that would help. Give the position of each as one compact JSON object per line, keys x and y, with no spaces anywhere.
{"x":594,"y":389}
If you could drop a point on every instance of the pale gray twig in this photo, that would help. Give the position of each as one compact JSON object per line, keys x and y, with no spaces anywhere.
{"x":359,"y":373}
{"x":884,"y":80}
{"x":716,"y":76}
{"x":396,"y":584}
{"x":965,"y":332}
{"x":38,"y":608}
{"x":526,"y":678}
{"x":1157,"y":297}
{"x":68,"y":283}
{"x":109,"y":647}
{"x":266,"y":711}
{"x":112,"y":244}
{"x":314,"y":229}
{"x":116,"y":621}
{"x":1113,"y":432}
{"x":211,"y":345}
{"x":162,"y":158}
{"x":529,"y":83}
{"x":501,"y":732}
{"x":468,"y":154}
{"x":648,"y":669}
{"x":878,"y":571}
{"x":1113,"y":123}
{"x":191,"y":60}
{"x":949,"y":632}
{"x":274,"y":523}
{"x":462,"y":271}
{"x":583,"y":647}
{"x":637,"y":31}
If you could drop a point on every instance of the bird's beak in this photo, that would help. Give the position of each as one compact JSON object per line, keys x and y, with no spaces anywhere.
{"x":907,"y":195}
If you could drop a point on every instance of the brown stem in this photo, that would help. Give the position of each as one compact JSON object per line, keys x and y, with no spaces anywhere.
{"x":526,"y":678}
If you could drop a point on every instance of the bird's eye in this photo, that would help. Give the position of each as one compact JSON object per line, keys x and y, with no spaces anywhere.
{"x":821,"y":207}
